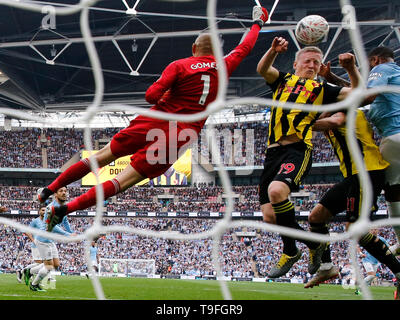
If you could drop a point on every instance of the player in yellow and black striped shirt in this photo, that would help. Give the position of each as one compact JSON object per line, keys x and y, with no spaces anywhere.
{"x":287,"y":122}
{"x":347,"y":194}
{"x":373,"y":159}
{"x":289,"y":150}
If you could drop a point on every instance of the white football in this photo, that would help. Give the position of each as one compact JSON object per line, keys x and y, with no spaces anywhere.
{"x":311,"y":30}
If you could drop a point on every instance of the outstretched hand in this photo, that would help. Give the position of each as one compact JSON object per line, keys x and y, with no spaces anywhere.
{"x":279,"y":44}
{"x":347,"y":60}
{"x":260,"y":15}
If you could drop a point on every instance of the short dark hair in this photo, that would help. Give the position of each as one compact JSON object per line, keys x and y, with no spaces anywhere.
{"x":383,"y":52}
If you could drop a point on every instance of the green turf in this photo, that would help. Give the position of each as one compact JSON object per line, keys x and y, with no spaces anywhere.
{"x":80,"y":288}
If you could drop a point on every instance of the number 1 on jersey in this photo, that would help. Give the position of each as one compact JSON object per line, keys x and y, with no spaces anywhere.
{"x":206,"y":88}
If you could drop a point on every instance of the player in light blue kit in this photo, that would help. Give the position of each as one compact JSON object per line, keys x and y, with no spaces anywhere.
{"x":37,"y":259}
{"x":47,"y":247}
{"x":384,"y":113}
{"x":47,"y":251}
{"x":93,"y":258}
{"x":60,"y":198}
{"x":369,"y":262}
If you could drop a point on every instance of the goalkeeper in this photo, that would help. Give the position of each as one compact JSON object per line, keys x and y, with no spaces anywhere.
{"x":186,"y":86}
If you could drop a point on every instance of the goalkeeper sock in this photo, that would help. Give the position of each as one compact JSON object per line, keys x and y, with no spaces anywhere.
{"x":88,"y":199}
{"x":73,"y":173}
{"x":377,"y":248}
{"x":286,"y":216}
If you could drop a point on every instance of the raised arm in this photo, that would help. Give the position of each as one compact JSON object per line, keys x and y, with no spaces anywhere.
{"x":264,"y":66}
{"x":66,"y":225}
{"x":325,"y":71}
{"x":158,"y":88}
{"x":235,"y":57}
{"x":347,"y":61}
{"x":328,"y":122}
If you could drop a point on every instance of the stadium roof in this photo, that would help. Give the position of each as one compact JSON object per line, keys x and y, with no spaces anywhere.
{"x":48,"y":70}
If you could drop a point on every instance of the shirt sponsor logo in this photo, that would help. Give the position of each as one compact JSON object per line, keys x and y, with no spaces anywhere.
{"x":375,"y":76}
{"x":299,"y":89}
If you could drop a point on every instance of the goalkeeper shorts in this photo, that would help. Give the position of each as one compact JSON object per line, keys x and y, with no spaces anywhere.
{"x":154,"y":144}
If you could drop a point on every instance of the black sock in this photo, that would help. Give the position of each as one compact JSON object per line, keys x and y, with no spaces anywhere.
{"x":322,"y":228}
{"x":380,"y":251}
{"x":285,"y":216}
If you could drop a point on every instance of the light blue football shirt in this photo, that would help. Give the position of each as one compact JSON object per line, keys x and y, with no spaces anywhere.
{"x":93,"y":253}
{"x":384,"y":112}
{"x":64,"y":222}
{"x":41,"y":225}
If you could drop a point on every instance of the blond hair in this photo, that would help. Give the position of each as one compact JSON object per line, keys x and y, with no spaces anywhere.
{"x":308,"y":49}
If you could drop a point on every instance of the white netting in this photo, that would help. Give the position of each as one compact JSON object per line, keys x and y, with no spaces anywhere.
{"x":356,"y":230}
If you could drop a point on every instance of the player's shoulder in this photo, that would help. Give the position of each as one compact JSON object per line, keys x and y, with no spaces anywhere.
{"x":190,"y":65}
{"x":195,"y":60}
{"x":183,"y":61}
{"x":178,"y":65}
{"x":386,"y":68}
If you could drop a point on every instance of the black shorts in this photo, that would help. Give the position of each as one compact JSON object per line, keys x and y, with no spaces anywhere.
{"x":347,"y":195}
{"x":289,"y":164}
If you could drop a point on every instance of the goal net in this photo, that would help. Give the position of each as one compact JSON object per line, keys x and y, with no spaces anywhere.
{"x":127,"y":267}
{"x":134,"y":267}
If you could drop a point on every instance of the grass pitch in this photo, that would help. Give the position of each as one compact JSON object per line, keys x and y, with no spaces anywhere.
{"x":80,"y":288}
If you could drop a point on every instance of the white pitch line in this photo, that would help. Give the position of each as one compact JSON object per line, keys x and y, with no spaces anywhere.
{"x":48,"y":297}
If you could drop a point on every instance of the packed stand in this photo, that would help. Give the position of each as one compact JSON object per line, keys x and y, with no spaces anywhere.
{"x":185,"y":199}
{"x":243,"y":257}
{"x":241,"y":144}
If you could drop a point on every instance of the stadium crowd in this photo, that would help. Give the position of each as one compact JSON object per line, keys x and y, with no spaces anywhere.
{"x":186,"y":199}
{"x":244,"y":252}
{"x":240,"y":144}
{"x":251,"y":256}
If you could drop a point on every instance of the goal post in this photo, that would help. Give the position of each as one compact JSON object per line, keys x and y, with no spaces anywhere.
{"x":127,"y":267}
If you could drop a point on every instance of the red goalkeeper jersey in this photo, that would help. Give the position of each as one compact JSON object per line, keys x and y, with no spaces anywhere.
{"x":188,"y":85}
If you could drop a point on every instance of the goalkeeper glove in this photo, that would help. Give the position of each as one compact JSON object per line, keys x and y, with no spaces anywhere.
{"x":260,"y":15}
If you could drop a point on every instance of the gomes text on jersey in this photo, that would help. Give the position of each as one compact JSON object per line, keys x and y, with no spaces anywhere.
{"x":203,"y":65}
